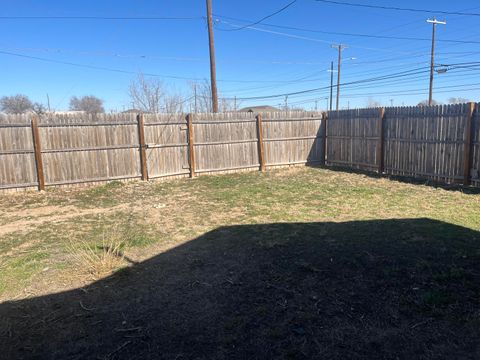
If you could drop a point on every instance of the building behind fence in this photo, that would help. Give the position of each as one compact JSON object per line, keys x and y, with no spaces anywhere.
{"x":440,"y":143}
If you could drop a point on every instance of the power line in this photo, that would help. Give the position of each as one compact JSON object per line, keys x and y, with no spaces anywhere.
{"x":92,"y":66}
{"x":391,"y":76}
{"x":264,"y":18}
{"x":370,"y":36}
{"x":102,"y":68}
{"x":299,"y":37}
{"x":404,"y":91}
{"x":395,"y":8}
{"x":99,"y":18}
{"x":402,"y":74}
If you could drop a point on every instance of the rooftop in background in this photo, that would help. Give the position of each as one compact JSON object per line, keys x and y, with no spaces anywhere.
{"x":261,"y":108}
{"x":133,"y":111}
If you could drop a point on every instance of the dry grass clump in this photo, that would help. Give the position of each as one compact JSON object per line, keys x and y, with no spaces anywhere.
{"x":100,"y":260}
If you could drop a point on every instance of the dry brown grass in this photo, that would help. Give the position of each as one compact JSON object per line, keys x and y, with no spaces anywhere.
{"x":99,"y":261}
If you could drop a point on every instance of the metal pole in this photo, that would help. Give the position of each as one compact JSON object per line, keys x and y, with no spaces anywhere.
{"x":213,"y":70}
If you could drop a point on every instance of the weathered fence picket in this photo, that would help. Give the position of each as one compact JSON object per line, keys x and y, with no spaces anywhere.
{"x":440,"y":143}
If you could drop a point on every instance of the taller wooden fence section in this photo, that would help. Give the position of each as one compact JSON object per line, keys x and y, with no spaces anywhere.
{"x":475,"y":174}
{"x":70,"y":149}
{"x":439,"y":143}
{"x":353,"y":138}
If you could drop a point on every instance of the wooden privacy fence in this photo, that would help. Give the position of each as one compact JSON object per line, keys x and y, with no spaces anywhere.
{"x":440,"y":143}
{"x":70,"y":149}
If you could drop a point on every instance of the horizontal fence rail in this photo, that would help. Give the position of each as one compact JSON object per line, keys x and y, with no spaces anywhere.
{"x":439,"y":143}
{"x":81,"y":148}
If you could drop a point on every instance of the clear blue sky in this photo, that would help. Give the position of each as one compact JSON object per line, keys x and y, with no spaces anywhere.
{"x":250,"y":62}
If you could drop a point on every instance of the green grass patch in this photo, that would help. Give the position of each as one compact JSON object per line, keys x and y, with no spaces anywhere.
{"x":189,"y":208}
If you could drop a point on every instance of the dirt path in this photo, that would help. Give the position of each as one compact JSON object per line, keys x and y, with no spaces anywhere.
{"x":51,"y":215}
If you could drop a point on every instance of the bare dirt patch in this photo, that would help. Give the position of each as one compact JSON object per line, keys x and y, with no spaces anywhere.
{"x":51,"y":215}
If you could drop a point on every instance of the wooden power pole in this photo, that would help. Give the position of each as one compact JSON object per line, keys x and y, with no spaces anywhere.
{"x":340,"y":48}
{"x":434,"y":23}
{"x":331,"y":86}
{"x":213,"y":69}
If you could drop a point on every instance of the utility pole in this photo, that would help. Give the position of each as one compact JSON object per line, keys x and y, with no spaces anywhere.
{"x":316,"y":105}
{"x":235,"y":104}
{"x":213,"y":69}
{"x":48,"y":102}
{"x":195,"y":95}
{"x":340,"y":48}
{"x":391,"y":102}
{"x":286,"y":103}
{"x":331,"y":86}
{"x":434,"y":23}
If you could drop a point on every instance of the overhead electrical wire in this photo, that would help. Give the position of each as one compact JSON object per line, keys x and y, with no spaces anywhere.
{"x":299,"y":37}
{"x":369,"y":36}
{"x":402,"y":74}
{"x":100,"y":18}
{"x":391,"y":76}
{"x":264,"y":18}
{"x":102,"y":68}
{"x":396,"y":8}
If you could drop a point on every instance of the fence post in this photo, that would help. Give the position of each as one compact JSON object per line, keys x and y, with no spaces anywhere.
{"x":261,"y":150}
{"x":191,"y":147}
{"x":468,"y":150}
{"x":38,"y":154}
{"x":381,"y":142}
{"x":324,"y":137}
{"x":143,"y":147}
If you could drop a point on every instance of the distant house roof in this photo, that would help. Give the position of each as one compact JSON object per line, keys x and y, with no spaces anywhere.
{"x":132,"y":111}
{"x":262,"y":108}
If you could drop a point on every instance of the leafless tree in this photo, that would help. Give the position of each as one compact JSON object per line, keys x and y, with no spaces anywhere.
{"x":425,"y":103}
{"x":458,"y":100}
{"x":201,"y":99}
{"x":38,"y":108}
{"x":173,"y":104}
{"x":146,"y":94}
{"x":90,"y":104}
{"x":16,"y":104}
{"x":150,"y":95}
{"x":372,"y":103}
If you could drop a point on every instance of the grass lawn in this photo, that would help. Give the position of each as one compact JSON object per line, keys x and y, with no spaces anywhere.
{"x":294,"y":263}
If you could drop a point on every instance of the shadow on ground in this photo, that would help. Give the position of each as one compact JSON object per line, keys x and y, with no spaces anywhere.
{"x":395,"y":289}
{"x":469,"y":190}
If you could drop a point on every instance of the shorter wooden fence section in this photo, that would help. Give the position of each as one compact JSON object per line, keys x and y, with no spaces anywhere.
{"x":440,"y":143}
